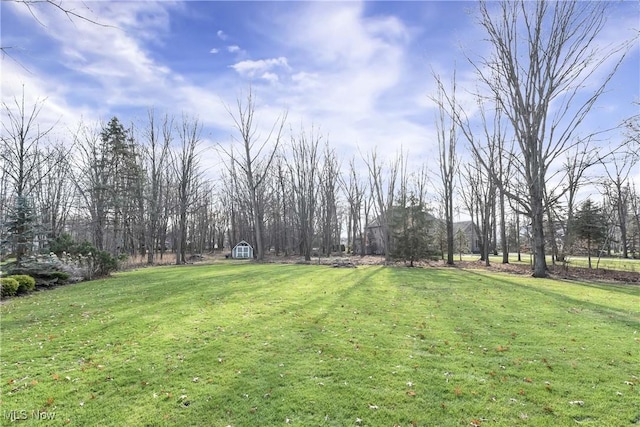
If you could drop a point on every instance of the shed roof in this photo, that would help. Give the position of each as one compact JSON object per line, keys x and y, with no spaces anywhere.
{"x":243,"y":243}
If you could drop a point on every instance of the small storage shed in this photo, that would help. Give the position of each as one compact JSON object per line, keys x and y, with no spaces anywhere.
{"x":242,"y":250}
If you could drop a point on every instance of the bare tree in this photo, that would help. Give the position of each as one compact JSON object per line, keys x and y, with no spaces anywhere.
{"x":329,"y":224}
{"x":185,"y":167}
{"x":383,"y":187}
{"x":618,"y":190}
{"x":543,"y":54}
{"x":92,"y":181}
{"x":353,"y":189}
{"x":21,"y":160}
{"x":447,"y":129}
{"x":632,"y":132}
{"x":304,"y":171}
{"x":479,"y":197}
{"x":634,"y":206}
{"x":255,"y":163}
{"x":158,"y":138}
{"x":577,"y":161}
{"x":283,"y":201}
{"x":55,"y":191}
{"x":70,"y":12}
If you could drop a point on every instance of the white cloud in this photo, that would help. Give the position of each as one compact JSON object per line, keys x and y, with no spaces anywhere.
{"x":111,"y":69}
{"x":250,"y":68}
{"x":363,"y":79}
{"x":349,"y":63}
{"x":270,"y":77}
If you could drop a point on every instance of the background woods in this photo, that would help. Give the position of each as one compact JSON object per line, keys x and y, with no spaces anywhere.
{"x":512,"y":167}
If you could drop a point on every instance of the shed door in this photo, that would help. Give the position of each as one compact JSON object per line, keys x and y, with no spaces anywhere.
{"x":243,"y":252}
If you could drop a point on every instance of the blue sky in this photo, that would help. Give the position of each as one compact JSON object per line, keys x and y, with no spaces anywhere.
{"x":360,"y":71}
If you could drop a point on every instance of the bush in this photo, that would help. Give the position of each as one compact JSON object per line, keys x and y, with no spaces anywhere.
{"x":105,"y":263}
{"x":84,"y":248}
{"x":62,"y":243}
{"x":8,"y":287}
{"x":62,"y":276}
{"x":81,"y":259}
{"x":25,"y":283}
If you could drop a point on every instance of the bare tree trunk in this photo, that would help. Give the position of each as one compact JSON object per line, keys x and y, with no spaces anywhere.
{"x":20,"y":155}
{"x":543,"y":52}
{"x":185,"y":167}
{"x":383,"y":202}
{"x":447,"y":140}
{"x":618,"y":170}
{"x":156,"y":154}
{"x":304,"y":171}
{"x":354,"y":192}
{"x":329,"y":208}
{"x":255,"y":164}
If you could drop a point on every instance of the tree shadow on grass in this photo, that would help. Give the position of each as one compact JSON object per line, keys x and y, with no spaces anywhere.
{"x":619,"y":314}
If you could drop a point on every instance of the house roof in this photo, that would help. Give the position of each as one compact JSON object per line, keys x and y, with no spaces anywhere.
{"x":243,"y":243}
{"x":377,"y":221}
{"x":465,"y":226}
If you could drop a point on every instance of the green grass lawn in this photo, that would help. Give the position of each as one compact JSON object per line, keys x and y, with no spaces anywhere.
{"x":622,"y":264}
{"x":266,"y":345}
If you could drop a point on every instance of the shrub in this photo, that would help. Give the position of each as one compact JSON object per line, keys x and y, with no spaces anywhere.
{"x":62,"y":276}
{"x":83,"y":256}
{"x":25,"y":283}
{"x":8,"y":287}
{"x":84,"y":248}
{"x":105,"y":263}
{"x":62,"y":243}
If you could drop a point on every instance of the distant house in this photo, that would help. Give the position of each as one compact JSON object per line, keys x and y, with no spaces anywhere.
{"x":242,"y":250}
{"x":374,"y":237}
{"x":464,"y":232}
{"x":466,"y":237}
{"x":374,"y":244}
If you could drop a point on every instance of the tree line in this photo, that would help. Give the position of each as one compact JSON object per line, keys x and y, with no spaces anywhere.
{"x":141,"y":189}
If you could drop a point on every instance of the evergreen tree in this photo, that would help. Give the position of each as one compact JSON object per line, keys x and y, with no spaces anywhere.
{"x":111,"y":184}
{"x":590,"y":225}
{"x":120,"y":152}
{"x":22,"y":227}
{"x":412,"y":228}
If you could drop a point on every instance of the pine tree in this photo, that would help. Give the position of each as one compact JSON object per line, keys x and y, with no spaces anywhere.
{"x":590,"y":225}
{"x":411,"y":233}
{"x":22,"y":227}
